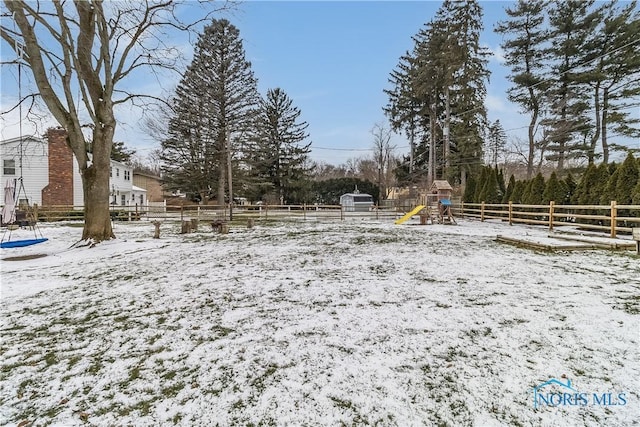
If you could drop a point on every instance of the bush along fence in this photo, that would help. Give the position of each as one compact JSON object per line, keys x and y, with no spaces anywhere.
{"x":611,"y":218}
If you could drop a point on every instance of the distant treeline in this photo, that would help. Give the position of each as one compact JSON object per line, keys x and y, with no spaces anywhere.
{"x":598,"y":185}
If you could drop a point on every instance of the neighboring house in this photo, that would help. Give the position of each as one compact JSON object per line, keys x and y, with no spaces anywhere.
{"x":151,"y":183}
{"x":51,"y":176}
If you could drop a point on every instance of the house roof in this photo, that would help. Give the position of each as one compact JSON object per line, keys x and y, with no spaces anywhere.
{"x":441,"y":185}
{"x":24,"y":138}
{"x":356,"y":194}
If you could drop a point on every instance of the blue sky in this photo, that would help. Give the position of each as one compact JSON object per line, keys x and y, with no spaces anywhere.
{"x":333,"y":58}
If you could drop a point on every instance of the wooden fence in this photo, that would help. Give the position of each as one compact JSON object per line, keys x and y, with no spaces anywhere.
{"x":215,"y":212}
{"x":611,"y":218}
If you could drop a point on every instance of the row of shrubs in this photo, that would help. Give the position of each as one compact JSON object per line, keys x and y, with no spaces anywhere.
{"x":597,"y":185}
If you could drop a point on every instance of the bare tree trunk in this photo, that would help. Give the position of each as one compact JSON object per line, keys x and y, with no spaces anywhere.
{"x":594,"y":139}
{"x":230,"y":172}
{"x":95,"y":185}
{"x":412,"y":145}
{"x":222,"y":170}
{"x":532,"y":130}
{"x":605,"y":143}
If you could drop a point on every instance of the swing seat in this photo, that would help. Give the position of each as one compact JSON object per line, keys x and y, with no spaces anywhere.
{"x":21,"y":243}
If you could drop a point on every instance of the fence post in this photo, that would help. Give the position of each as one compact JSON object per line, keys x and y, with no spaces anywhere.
{"x":341,"y":213}
{"x":304,"y":209}
{"x":461,"y":208}
{"x":482,"y":212}
{"x":377,"y":217}
{"x":510,"y":212}
{"x":551,"y":210}
{"x":614,"y":214}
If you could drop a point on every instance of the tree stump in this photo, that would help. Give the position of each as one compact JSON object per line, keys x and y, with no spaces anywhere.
{"x":224,"y":229}
{"x":194,"y":224}
{"x":186,"y":227}
{"x":250,"y":223}
{"x":156,"y":234}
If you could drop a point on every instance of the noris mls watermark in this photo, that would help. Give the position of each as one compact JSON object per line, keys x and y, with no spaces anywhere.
{"x":555,"y":393}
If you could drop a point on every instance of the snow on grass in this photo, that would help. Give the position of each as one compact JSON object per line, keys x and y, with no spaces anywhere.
{"x":311,"y":323}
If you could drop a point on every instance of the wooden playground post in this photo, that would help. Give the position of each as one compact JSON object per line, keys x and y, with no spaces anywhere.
{"x":551,"y":210}
{"x":510,"y":212}
{"x":482,"y":212}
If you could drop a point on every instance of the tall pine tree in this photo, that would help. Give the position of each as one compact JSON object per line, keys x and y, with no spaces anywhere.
{"x":525,"y":54}
{"x":214,"y":106}
{"x":277,"y":157}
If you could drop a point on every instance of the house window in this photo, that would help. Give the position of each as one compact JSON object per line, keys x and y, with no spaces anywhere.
{"x":9,"y":167}
{"x":142,"y":199}
{"x":117,"y":172}
{"x":127,"y":175}
{"x":110,"y":172}
{"x":123,"y":200}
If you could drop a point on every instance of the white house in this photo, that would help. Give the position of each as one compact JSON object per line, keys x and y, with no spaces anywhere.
{"x":50,"y":174}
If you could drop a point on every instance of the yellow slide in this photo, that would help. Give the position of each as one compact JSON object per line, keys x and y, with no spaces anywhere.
{"x":409,"y":215}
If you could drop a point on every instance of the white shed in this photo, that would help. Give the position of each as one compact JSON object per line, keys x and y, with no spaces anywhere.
{"x":356,"y":202}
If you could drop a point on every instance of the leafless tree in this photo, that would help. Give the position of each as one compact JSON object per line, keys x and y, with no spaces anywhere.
{"x":81,"y":55}
{"x":383,"y":158}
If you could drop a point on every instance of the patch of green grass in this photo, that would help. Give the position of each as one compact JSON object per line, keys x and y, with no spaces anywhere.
{"x":172,"y":390}
{"x":134,"y":373}
{"x":73,"y":360}
{"x":169,"y":375}
{"x":50,"y":359}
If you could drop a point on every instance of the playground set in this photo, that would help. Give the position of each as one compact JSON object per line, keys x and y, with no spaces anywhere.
{"x":437,"y":206}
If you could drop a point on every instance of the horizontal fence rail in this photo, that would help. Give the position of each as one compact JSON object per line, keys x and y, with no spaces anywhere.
{"x":612,"y":218}
{"x":161,"y":211}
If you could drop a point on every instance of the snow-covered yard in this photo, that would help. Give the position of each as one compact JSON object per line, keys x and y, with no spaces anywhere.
{"x":316,"y":324}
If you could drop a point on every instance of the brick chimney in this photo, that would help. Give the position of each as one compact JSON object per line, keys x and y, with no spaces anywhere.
{"x":60,"y":188}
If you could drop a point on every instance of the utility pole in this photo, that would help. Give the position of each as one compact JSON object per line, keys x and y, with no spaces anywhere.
{"x":230,"y":176}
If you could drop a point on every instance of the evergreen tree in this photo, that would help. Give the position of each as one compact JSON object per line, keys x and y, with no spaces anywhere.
{"x":554,"y":191}
{"x":214,"y":107}
{"x":627,"y":180}
{"x":496,"y":141}
{"x":444,"y":76}
{"x":610,"y":64}
{"x":464,"y":86}
{"x":482,"y":180}
{"x":509,"y":190}
{"x":570,"y":185}
{"x":609,"y":188}
{"x":470,"y":190}
{"x":525,"y":54}
{"x":598,"y":190}
{"x":518,"y":192}
{"x":535,"y":191}
{"x":582,"y":195}
{"x":276,"y":159}
{"x":501,"y":183}
{"x":121,"y":153}
{"x":491,"y":190}
{"x":636,"y":197}
{"x":568,"y":124}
